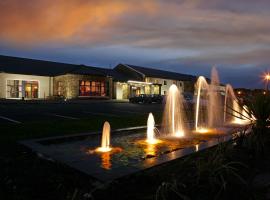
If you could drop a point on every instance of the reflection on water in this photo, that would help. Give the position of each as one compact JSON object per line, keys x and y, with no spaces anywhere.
{"x":132,"y":149}
{"x":106,"y":160}
{"x":105,"y":157}
{"x":150,"y":149}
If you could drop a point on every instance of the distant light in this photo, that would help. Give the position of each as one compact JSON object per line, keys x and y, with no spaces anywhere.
{"x":267,"y":76}
{"x":239,"y":92}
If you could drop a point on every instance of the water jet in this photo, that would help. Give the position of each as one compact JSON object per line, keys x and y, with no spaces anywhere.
{"x":105,"y":140}
{"x":173,"y":116}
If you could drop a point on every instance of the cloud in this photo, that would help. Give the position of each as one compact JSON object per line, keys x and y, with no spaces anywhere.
{"x":183,"y":35}
{"x":150,"y":24}
{"x":70,"y":21}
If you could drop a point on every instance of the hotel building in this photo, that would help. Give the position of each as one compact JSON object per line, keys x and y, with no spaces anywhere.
{"x":22,"y":78}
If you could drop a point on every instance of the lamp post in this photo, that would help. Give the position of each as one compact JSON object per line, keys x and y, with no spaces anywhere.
{"x":267,"y":78}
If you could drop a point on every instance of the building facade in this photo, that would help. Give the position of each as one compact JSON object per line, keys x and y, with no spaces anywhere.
{"x":142,"y":80}
{"x":22,"y":78}
{"x":18,"y":86}
{"x":82,"y":86}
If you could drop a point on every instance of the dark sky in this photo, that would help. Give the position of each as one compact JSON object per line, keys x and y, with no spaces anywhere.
{"x":186,"y":36}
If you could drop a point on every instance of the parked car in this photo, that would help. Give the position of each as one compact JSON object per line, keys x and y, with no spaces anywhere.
{"x":156,"y":98}
{"x":144,"y":98}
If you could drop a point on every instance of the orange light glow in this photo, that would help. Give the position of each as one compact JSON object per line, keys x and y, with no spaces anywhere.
{"x":202,"y":130}
{"x":105,"y":155}
{"x":103,"y":149}
{"x":179,"y":133}
{"x":106,"y":160}
{"x":150,"y":150}
{"x":63,"y":20}
{"x":267,"y":76}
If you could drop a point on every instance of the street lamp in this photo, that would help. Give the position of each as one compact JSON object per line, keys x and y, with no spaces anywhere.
{"x":267,"y":78}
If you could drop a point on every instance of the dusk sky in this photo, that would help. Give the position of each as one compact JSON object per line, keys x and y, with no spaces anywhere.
{"x":186,"y":36}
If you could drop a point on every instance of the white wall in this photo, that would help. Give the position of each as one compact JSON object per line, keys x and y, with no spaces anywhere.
{"x":119,"y":91}
{"x":44,"y":83}
{"x":179,"y":84}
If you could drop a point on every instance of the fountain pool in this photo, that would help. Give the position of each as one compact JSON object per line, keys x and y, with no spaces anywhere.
{"x":130,"y":152}
{"x":109,"y":155}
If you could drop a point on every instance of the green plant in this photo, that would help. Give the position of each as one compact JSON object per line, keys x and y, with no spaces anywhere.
{"x":259,"y":107}
{"x":255,"y":143}
{"x":209,"y":176}
{"x":171,"y":191}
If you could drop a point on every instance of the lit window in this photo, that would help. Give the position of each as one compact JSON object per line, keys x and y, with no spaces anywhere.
{"x":18,"y":89}
{"x":92,"y":88}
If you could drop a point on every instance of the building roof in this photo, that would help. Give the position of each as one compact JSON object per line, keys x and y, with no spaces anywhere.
{"x":117,"y":76}
{"x":156,"y":73}
{"x":15,"y":65}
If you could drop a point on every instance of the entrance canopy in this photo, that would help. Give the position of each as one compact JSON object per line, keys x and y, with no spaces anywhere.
{"x":134,"y":88}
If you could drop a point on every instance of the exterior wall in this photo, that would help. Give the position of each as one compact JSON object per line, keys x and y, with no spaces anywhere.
{"x":165,"y":88}
{"x":2,"y":86}
{"x":45,"y":86}
{"x":70,"y":84}
{"x":121,"y":90}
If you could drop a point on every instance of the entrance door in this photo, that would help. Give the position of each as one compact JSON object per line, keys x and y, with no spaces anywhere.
{"x":30,"y":89}
{"x":135,"y":91}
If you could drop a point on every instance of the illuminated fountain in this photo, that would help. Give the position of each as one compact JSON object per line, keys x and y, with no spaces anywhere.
{"x":105,"y":140}
{"x":215,"y":108}
{"x":151,"y":139}
{"x":233,"y":112}
{"x":200,"y":114}
{"x":208,"y":115}
{"x":173,"y":116}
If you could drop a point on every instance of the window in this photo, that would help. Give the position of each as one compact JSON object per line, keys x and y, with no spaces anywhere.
{"x":92,"y":88}
{"x":164,"y":92}
{"x":19,"y":89}
{"x":60,"y":88}
{"x":165,"y":83}
{"x":13,"y":89}
{"x":30,"y":89}
{"x":180,"y":84}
